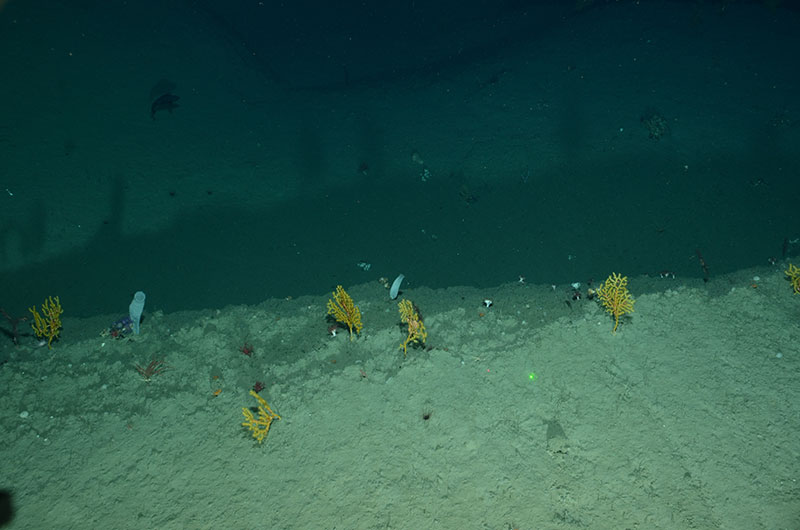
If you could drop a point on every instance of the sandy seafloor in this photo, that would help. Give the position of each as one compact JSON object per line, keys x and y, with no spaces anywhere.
{"x":687,"y":417}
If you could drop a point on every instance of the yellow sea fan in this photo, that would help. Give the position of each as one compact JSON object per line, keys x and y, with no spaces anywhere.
{"x":345,"y":311}
{"x":260,"y":424}
{"x":416,"y":328}
{"x":614,"y":296}
{"x":48,"y":324}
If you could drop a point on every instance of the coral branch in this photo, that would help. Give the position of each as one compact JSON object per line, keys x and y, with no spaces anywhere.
{"x":615,"y":297}
{"x":342,"y":308}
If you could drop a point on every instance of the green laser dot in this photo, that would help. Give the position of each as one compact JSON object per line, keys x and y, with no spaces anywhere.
{"x":532,"y":376}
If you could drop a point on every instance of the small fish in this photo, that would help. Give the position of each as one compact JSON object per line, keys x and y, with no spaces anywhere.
{"x":164,"y":102}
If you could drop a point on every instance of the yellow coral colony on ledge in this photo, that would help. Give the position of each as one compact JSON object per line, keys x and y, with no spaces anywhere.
{"x":345,"y":311}
{"x":416,"y":328}
{"x":49,"y":325}
{"x":259,"y":425}
{"x":793,"y":273}
{"x":615,"y":297}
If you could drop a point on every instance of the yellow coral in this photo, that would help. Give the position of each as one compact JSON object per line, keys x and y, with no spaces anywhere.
{"x":416,"y":328}
{"x":345,"y":311}
{"x":615,"y":297}
{"x":259,"y":425}
{"x":48,"y":325}
{"x":794,"y":276}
